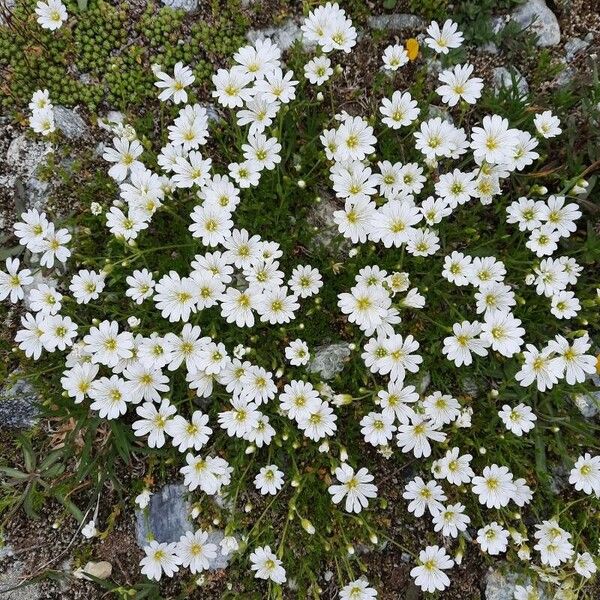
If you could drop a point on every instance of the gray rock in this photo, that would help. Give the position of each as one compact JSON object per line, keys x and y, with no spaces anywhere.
{"x":588,"y":404}
{"x":284,"y":36}
{"x":565,"y":76}
{"x":212,"y":112}
{"x":167,"y":518}
{"x":434,"y":67}
{"x":19,"y":405}
{"x":329,"y":360}
{"x":11,"y":576}
{"x":497,"y":24}
{"x":395,"y":22}
{"x":187,"y":5}
{"x":327,"y":236}
{"x":503,"y":78}
{"x":24,"y":157}
{"x":441,"y":112}
{"x":535,"y":16}
{"x":501,"y":586}
{"x":574,"y":46}
{"x":70,"y":124}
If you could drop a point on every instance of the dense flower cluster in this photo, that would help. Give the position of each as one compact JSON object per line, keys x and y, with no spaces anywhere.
{"x":239,"y":272}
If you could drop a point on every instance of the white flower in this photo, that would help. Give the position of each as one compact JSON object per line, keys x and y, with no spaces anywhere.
{"x":124,"y":155}
{"x":560,"y":216}
{"x":260,"y":58}
{"x":358,"y":590}
{"x":392,"y":224}
{"x":429,"y":574}
{"x":450,"y":520}
{"x":355,"y":139}
{"x":453,"y":467}
{"x":519,"y":419}
{"x":12,"y":281}
{"x":415,"y":436}
{"x":441,"y":409}
{"x":269,"y":480}
{"x":89,"y":530}
{"x":485,"y":270}
{"x":231,"y":90}
{"x":51,"y":14}
{"x":365,"y":305}
{"x":106,"y":345}
{"x":143,"y":498}
{"x":459,"y":346}
{"x":77,"y":381}
{"x":189,"y":434}
{"x":539,"y":366}
{"x":494,"y":487}
{"x":378,"y":428}
{"x":262,"y":151}
{"x":86,"y":286}
{"x":209,"y":474}
{"x":356,"y":488}
{"x":159,"y":559}
{"x":319,"y":422}
{"x":228,"y":545}
{"x":109,"y":396}
{"x":267,"y":565}
{"x":42,"y":121}
{"x":58,"y":332}
{"x":305,"y":281}
{"x":423,"y":496}
{"x":40,"y":100}
{"x":297,"y":353}
{"x":318,"y":70}
{"x":442,"y":40}
{"x":53,"y":246}
{"x":153,"y":422}
{"x":30,"y":337}
{"x":394,"y":401}
{"x":194,"y":551}
{"x":456,"y":268}
{"x":547,"y":125}
{"x":584,"y":565}
{"x":458,"y":84}
{"x":174,"y":87}
{"x":434,"y":138}
{"x":394,"y":57}
{"x":31,"y":229}
{"x":276,"y":86}
{"x":493,"y":142}
{"x":456,"y":188}
{"x":275,"y":306}
{"x":572,"y":359}
{"x":585,"y":475}
{"x":493,"y":539}
{"x":527,"y":213}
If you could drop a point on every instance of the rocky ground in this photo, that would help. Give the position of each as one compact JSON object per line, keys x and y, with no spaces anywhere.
{"x":568,"y":30}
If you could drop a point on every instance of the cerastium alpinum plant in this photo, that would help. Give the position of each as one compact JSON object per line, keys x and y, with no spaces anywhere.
{"x":461,"y":295}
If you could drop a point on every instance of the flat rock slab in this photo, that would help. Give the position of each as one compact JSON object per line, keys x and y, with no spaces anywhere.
{"x":329,"y":360}
{"x":69,"y":123}
{"x":19,"y":406}
{"x":535,"y":16}
{"x":167,"y":518}
{"x":187,"y":5}
{"x":503,"y":78}
{"x":284,"y":36}
{"x":396,"y":22}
